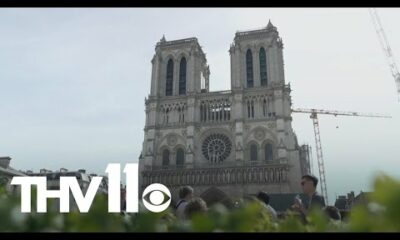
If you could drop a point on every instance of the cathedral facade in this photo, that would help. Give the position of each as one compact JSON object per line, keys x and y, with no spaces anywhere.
{"x":225,"y":144}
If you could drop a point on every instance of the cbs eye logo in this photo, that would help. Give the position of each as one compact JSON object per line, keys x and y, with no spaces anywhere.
{"x":156,"y":197}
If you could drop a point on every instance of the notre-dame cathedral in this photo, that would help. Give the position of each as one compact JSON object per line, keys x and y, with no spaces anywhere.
{"x":225,"y":144}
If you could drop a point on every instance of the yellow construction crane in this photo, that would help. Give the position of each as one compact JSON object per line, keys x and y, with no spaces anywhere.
{"x":386,"y":48}
{"x":314,"y":116}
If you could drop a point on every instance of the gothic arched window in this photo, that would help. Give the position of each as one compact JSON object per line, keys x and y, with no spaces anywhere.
{"x":252,"y":109}
{"x":249,"y":68}
{"x":180,"y":157}
{"x":265,"y":107}
{"x":201,"y":112}
{"x":165,"y":158}
{"x":248,"y":109}
{"x":263,"y":67}
{"x":269,"y":155}
{"x":170,"y":78}
{"x":182,"y":77}
{"x":253,"y":152}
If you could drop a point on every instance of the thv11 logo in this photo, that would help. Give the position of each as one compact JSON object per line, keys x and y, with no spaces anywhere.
{"x":156,"y":197}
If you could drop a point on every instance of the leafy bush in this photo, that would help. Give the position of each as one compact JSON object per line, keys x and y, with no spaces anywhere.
{"x":381,"y":215}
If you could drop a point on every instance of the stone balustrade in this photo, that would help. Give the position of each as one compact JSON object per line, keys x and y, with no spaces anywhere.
{"x":256,"y":174}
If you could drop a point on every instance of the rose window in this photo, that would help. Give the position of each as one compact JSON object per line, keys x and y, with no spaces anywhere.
{"x":216,"y":147}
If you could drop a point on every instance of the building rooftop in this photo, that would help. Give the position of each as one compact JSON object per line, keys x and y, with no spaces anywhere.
{"x":5,"y":168}
{"x":270,"y":27}
{"x":164,"y":42}
{"x":10,"y":171}
{"x":185,"y":41}
{"x":5,"y":162}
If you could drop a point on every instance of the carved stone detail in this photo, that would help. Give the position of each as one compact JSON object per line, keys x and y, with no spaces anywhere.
{"x":172,"y":140}
{"x":259,"y":134}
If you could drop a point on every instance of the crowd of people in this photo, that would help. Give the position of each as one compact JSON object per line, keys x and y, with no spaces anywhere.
{"x":188,"y":204}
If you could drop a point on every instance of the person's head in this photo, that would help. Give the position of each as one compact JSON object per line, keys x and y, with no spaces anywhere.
{"x":309,"y":184}
{"x":195,"y":205}
{"x":332,"y":212}
{"x":263,"y":196}
{"x":186,"y":192}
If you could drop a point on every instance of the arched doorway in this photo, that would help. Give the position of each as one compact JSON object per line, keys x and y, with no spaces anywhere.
{"x":214,"y":195}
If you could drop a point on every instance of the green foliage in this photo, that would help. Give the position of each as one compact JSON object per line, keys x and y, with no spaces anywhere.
{"x":381,"y":215}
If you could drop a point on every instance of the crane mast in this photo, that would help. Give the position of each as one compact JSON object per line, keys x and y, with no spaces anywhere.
{"x":314,"y":116}
{"x":318,"y":148}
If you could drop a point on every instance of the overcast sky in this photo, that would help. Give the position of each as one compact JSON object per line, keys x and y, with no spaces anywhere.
{"x":73,"y":82}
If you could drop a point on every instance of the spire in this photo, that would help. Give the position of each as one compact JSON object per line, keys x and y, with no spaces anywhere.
{"x":163,"y":38}
{"x":270,"y":24}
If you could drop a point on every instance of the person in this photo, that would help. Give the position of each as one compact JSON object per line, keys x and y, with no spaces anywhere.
{"x":309,"y":184}
{"x":332,"y":213}
{"x":264,"y":198}
{"x":334,"y":217}
{"x":195,"y":206}
{"x":185,"y":195}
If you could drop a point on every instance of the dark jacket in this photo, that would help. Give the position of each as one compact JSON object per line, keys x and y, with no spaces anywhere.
{"x":316,"y":201}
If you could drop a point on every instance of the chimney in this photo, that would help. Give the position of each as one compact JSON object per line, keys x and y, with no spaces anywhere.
{"x":5,"y":162}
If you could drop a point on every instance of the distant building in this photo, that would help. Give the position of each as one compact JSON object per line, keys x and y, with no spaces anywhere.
{"x":361,"y":199}
{"x":84,"y":179}
{"x":346,"y":203}
{"x":7,"y":173}
{"x":351,"y":200}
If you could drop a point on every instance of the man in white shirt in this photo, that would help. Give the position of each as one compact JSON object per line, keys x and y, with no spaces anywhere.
{"x":264,"y":197}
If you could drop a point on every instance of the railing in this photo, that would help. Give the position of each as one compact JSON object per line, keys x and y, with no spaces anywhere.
{"x":208,"y":165}
{"x":216,"y":108}
{"x":172,"y":113}
{"x":250,"y":31}
{"x":186,"y":40}
{"x":216,"y":93}
{"x":276,"y":173}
